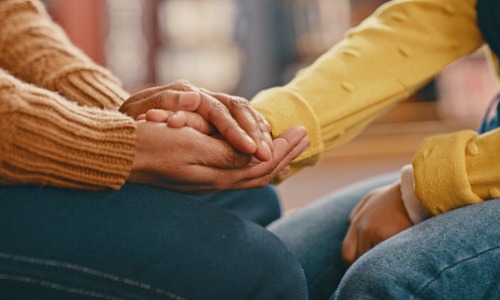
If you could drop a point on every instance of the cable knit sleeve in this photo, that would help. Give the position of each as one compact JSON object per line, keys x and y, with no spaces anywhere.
{"x":36,"y":50}
{"x":46,"y":139}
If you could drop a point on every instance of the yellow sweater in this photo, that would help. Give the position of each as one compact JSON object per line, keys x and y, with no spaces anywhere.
{"x":59,"y":123}
{"x":385,"y":59}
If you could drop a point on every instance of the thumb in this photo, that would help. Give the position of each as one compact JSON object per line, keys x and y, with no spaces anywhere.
{"x":169,"y":100}
{"x":349,"y":245}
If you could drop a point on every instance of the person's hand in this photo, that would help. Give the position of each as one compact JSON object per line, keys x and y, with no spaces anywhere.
{"x":186,"y":160}
{"x":232,"y":116}
{"x":179,"y":118}
{"x":380,"y":215}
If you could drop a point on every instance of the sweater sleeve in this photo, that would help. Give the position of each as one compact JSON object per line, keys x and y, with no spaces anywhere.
{"x":36,"y":50}
{"x":48,"y":140}
{"x":457,"y":169}
{"x":403,"y":45}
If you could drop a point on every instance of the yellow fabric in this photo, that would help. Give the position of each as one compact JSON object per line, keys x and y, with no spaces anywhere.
{"x":390,"y":55}
{"x":58,"y":119}
{"x":457,"y":169}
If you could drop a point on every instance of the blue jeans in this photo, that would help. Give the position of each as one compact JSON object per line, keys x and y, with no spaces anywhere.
{"x":142,"y":243}
{"x":455,"y":255}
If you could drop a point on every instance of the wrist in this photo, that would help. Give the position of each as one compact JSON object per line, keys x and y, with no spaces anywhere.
{"x":140,"y":162}
{"x":414,"y":207}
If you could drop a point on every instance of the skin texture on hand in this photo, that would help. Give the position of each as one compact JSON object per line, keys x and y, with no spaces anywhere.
{"x":232,"y":116}
{"x":180,"y":119}
{"x":186,"y":160}
{"x":377,"y":217}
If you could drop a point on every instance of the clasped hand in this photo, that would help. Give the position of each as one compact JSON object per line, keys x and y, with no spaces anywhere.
{"x":214,"y":142}
{"x":380,"y":215}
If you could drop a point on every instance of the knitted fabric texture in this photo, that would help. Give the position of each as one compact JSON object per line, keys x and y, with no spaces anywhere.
{"x":36,"y":50}
{"x":389,"y":56}
{"x":58,"y":119}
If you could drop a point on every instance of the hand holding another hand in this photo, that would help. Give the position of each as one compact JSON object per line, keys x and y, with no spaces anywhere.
{"x":233,"y":117}
{"x":184,"y":159}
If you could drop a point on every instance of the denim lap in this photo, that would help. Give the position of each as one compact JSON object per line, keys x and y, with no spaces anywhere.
{"x":455,"y":255}
{"x":141,"y":243}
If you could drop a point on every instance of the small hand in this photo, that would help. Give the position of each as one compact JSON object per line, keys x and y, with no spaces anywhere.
{"x":184,"y":159}
{"x":234,"y":117}
{"x":380,"y":215}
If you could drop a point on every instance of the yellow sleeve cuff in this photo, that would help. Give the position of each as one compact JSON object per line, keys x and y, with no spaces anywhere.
{"x":283,"y":108}
{"x":440,"y":171}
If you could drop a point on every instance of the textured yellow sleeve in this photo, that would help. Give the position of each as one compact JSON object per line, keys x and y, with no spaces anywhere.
{"x":390,"y":55}
{"x":36,"y":50}
{"x":457,"y":169}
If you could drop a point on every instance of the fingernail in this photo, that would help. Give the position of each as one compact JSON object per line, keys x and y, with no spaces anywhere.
{"x":266,"y":149}
{"x":285,"y":171}
{"x":250,"y":141}
{"x":307,"y":143}
{"x":268,"y":139}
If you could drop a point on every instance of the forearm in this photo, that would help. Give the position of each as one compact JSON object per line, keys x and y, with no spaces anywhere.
{"x":35,"y":49}
{"x":385,"y":59}
{"x":48,"y":140}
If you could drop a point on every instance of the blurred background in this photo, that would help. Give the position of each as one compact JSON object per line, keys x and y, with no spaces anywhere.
{"x":244,"y":46}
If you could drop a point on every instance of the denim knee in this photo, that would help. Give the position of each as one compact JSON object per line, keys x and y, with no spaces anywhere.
{"x":266,"y":268}
{"x":260,"y":205}
{"x":163,"y":240}
{"x":376,"y":277}
{"x":451,"y":256}
{"x":368,"y":278}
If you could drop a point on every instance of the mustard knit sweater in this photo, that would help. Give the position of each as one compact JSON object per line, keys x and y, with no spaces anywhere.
{"x":383,"y":60}
{"x":59,"y":123}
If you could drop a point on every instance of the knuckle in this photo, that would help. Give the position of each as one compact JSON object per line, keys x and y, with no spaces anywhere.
{"x":239,"y":103}
{"x":238,"y":98}
{"x":166,"y":100}
{"x":182,"y":82}
{"x":216,"y":109}
{"x":158,"y":99}
{"x":183,"y":85}
{"x":217,"y":105}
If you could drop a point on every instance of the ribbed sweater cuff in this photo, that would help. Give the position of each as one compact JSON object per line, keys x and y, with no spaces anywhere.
{"x":49,"y":140}
{"x":88,"y":85}
{"x":440,"y":171}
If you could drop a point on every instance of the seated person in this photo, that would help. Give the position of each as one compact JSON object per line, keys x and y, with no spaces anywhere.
{"x":90,"y":202}
{"x":430,"y":232}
